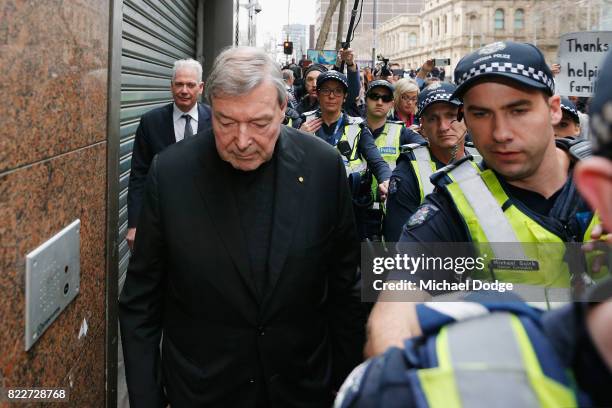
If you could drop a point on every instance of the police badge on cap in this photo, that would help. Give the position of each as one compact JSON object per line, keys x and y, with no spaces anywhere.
{"x":434,"y":93}
{"x":523,"y":63}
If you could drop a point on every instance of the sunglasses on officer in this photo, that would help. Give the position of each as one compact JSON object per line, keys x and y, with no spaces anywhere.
{"x":376,"y":96}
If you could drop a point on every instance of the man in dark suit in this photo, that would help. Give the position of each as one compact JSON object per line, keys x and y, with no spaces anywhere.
{"x":161,"y":127}
{"x":246,"y":259}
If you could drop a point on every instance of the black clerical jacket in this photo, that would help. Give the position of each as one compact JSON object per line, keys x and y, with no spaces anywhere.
{"x":189,"y":278}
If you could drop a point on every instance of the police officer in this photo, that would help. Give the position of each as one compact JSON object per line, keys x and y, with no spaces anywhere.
{"x":445,"y":136}
{"x":331,"y":124}
{"x":310,"y":101}
{"x":484,"y":354}
{"x":389,"y":136}
{"x":569,"y":125}
{"x":523,"y":191}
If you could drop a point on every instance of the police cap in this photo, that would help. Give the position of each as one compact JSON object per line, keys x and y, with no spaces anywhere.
{"x":521,"y":62}
{"x":600,"y":111}
{"x":434,"y":93}
{"x":569,"y":108}
{"x":329,"y":75}
{"x":380,"y":83}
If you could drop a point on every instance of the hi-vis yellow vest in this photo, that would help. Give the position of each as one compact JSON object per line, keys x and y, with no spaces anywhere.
{"x":492,"y":220}
{"x":354,"y":163}
{"x":490,"y":361}
{"x":388,"y":144}
{"x":424,"y":166}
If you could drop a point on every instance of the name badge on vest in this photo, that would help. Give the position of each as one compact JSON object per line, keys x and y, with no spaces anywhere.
{"x":387,"y":150}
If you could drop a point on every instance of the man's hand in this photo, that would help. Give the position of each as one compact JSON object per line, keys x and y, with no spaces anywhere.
{"x":390,"y":323}
{"x":348,"y":56}
{"x":599,"y":247}
{"x":130,"y":236}
{"x":426,"y":68}
{"x":556,"y":69}
{"x":383,"y":189}
{"x":311,"y":126}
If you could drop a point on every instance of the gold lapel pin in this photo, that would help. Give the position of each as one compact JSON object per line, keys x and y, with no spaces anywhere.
{"x":301,"y":179}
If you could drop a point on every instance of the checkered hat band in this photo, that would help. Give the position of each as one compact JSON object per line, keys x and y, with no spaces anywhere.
{"x":434,"y":97}
{"x":510,"y":68}
{"x":569,"y":109}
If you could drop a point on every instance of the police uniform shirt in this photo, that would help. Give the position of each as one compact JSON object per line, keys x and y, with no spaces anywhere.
{"x":438,"y":220}
{"x":366,"y":148}
{"x":404,"y":196}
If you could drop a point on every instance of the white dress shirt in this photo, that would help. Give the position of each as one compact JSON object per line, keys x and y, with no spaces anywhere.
{"x":179,"y":122}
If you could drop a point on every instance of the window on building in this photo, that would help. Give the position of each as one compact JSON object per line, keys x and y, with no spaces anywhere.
{"x":438,"y":27}
{"x":445,"y":24}
{"x":519,"y":19}
{"x":412,"y":40}
{"x":499,"y":19}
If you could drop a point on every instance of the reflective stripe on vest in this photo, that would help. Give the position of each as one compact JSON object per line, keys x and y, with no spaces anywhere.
{"x":480,"y":198}
{"x":354,"y":164}
{"x":493,"y":223}
{"x":498,"y":367}
{"x":474,"y":153}
{"x":425,"y":170}
{"x":389,"y":146}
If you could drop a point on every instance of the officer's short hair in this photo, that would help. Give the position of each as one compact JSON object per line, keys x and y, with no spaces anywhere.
{"x":187,"y":64}
{"x":403,"y":86}
{"x":239,"y":70}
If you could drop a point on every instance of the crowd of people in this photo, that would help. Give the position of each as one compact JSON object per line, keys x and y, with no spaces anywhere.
{"x":246,"y":236}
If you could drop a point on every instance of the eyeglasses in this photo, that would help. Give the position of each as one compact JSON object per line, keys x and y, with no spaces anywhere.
{"x":336,"y":92}
{"x":376,"y":96}
{"x":407,"y":98}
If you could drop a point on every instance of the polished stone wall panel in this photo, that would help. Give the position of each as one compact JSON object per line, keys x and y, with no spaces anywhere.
{"x":53,"y":78}
{"x":42,"y":199}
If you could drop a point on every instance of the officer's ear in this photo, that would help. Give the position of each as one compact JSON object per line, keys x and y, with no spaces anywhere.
{"x":460,"y":114}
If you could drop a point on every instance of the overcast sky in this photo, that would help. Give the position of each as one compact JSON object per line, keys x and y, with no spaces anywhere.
{"x":273,"y":15}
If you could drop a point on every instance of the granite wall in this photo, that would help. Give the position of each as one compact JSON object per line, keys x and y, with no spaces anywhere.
{"x":53,"y":113}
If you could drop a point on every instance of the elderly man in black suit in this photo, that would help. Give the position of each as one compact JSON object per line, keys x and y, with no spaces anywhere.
{"x":161,"y":127}
{"x":246,"y":259}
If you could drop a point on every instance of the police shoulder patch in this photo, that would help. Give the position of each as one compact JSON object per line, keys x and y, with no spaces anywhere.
{"x":422,"y":214}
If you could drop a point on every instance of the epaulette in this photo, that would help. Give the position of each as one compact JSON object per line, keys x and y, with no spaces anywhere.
{"x":440,"y":173}
{"x":310,"y":113}
{"x":411,"y":146}
{"x":353,"y":120}
{"x":396,"y":122}
{"x":577,"y":149}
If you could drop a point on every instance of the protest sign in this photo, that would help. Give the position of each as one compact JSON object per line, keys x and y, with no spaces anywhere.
{"x":325,"y":57}
{"x":579,"y":56}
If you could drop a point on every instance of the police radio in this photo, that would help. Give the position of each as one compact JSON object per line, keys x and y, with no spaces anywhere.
{"x":345,"y":149}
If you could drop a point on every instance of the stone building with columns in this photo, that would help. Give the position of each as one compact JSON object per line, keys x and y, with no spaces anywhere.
{"x":453,"y":28}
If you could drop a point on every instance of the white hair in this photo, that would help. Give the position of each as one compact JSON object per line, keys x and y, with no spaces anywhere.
{"x":190,"y":64}
{"x":239,"y":70}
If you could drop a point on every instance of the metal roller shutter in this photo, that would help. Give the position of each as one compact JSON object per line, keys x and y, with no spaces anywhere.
{"x":155,"y":34}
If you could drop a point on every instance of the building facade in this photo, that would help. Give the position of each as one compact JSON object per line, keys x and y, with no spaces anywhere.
{"x":299,"y":34}
{"x":364,"y":34}
{"x":453,"y":28}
